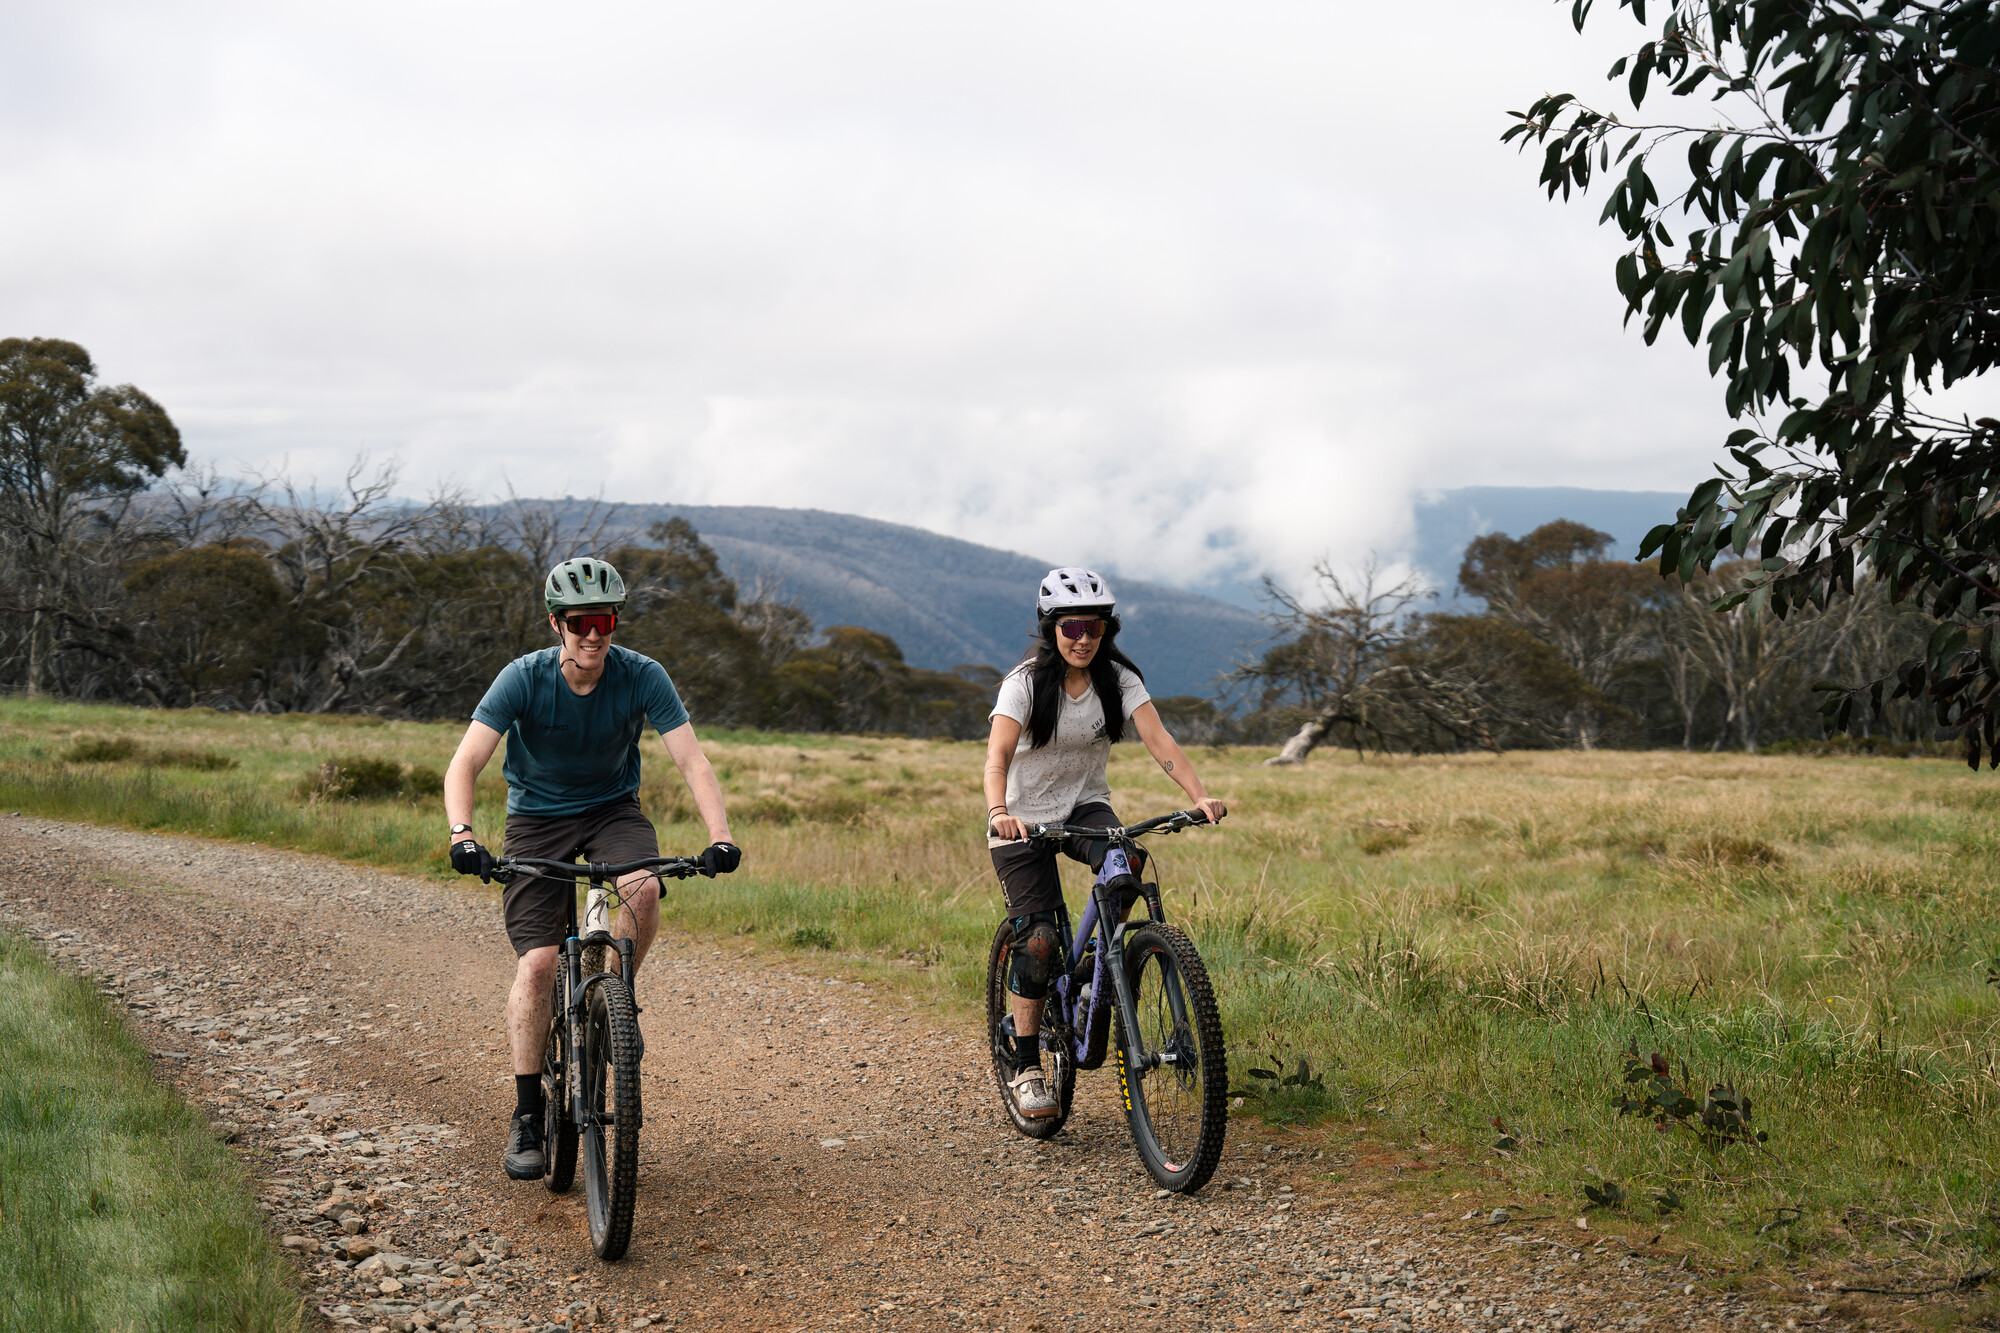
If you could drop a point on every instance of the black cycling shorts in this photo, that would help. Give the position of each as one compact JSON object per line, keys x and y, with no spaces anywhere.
{"x":533,"y":906}
{"x":1028,"y":875}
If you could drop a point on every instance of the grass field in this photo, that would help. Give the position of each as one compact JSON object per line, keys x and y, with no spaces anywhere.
{"x":118,"y":1208}
{"x":1447,"y":941}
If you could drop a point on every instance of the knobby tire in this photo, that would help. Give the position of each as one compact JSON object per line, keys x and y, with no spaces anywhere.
{"x":1178,"y":1114}
{"x":611,"y":1083}
{"x":1059,"y":1065}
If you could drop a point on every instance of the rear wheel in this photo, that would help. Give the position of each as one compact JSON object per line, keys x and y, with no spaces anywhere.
{"x":610,"y":1066}
{"x":1056,"y":1059}
{"x":558,"y":1129}
{"x":1175,"y":1075}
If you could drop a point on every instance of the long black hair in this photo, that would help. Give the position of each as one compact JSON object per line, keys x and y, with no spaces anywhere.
{"x":1047,"y":669}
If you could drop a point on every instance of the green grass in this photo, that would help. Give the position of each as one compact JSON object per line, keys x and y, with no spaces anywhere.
{"x":1448,"y":941}
{"x":118,"y":1208}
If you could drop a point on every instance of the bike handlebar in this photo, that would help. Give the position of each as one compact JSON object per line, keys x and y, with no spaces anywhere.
{"x":671,"y":867}
{"x":1172,"y":823}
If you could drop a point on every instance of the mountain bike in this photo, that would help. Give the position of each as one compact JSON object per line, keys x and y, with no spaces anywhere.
{"x":1149,"y":982}
{"x":590,"y":1063}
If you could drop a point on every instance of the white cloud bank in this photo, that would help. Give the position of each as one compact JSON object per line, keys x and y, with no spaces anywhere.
{"x":1185,"y":290}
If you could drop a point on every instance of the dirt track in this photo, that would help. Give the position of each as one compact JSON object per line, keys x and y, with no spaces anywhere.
{"x":815,"y":1155}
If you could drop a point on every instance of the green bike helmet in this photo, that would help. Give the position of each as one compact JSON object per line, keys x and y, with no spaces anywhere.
{"x":584,"y":581}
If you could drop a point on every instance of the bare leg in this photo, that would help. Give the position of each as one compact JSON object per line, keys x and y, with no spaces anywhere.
{"x":528,"y":1008}
{"x":1027,"y":1014}
{"x":639,"y":917}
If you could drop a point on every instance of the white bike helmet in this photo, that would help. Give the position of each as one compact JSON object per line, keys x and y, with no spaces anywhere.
{"x":584,"y":581}
{"x":1078,"y":591}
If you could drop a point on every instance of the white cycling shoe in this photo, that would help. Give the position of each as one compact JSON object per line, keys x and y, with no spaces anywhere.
{"x":1030,"y":1090}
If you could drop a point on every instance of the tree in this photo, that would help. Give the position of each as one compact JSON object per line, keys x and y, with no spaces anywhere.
{"x":209,"y":618}
{"x":1752,"y":662}
{"x":1845,"y":184}
{"x":1332,"y":654}
{"x":67,"y":445}
{"x":682,"y":610}
{"x":1556,"y":584}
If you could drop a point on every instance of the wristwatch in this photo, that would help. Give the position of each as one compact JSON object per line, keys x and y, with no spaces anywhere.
{"x":457,"y":829}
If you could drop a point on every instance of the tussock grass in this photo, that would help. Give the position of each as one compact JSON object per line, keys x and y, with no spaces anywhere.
{"x":1447,"y":940}
{"x":118,"y":1209}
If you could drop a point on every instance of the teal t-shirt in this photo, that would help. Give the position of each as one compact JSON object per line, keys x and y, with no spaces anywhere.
{"x":570,"y":752}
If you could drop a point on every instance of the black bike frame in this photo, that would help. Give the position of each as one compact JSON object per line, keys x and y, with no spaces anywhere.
{"x":578,"y":988}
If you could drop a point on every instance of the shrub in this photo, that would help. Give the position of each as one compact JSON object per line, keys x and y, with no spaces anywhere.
{"x":1728,"y":851}
{"x":181,"y":756}
{"x":813,"y":937}
{"x":1720,"y":1118}
{"x":423,"y":781}
{"x":354,"y":778}
{"x":101,"y":749}
{"x":1376,"y":836}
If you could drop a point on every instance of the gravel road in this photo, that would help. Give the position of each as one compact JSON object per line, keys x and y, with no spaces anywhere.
{"x":816,"y":1156}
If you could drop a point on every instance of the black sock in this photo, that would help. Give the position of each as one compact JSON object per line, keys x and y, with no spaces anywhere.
{"x":528,"y":1095}
{"x":1028,"y":1051}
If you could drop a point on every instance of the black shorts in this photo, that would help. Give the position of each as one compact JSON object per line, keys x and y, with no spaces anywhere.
{"x":1028,"y":876}
{"x":534,"y":906}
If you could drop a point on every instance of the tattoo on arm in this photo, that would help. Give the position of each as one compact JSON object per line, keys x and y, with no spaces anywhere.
{"x":1168,"y":765}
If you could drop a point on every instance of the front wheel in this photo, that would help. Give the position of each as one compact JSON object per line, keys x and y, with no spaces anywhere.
{"x":1175,"y":1076}
{"x":1061,"y":1067}
{"x":610,"y":1066}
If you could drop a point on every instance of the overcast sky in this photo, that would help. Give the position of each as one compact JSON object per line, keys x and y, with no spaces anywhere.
{"x":1183,"y":290}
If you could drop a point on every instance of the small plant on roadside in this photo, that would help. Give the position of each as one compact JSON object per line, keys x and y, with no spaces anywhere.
{"x":1298,"y":1093}
{"x":1507,"y":1144}
{"x":1610,"y":1195}
{"x":1720,"y":1118}
{"x":813,"y":937}
{"x":101,"y":749}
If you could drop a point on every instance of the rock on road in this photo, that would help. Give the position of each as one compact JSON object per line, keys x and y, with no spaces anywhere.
{"x":816,"y":1156}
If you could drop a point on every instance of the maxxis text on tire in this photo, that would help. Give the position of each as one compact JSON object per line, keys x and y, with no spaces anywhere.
{"x":611,"y":1083}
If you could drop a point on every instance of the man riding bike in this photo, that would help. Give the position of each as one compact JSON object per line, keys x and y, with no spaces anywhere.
{"x":573,"y":716}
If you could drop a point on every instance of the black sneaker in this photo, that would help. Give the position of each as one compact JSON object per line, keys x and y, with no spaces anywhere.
{"x":525,"y":1160}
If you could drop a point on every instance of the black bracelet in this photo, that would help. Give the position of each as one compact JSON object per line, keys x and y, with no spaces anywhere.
{"x":991,"y":808}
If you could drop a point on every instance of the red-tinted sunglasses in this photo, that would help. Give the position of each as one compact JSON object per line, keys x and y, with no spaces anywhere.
{"x":1081,"y":629}
{"x":597,"y":622}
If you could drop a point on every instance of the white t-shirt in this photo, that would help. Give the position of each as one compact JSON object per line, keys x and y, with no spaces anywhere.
{"x":1045,"y":785}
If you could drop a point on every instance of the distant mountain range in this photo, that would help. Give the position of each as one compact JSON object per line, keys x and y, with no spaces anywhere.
{"x":949,"y":602}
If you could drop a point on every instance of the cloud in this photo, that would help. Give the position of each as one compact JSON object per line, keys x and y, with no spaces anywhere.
{"x":1191,"y":292}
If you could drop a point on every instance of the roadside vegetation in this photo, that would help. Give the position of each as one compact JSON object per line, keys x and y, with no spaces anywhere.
{"x":1447,"y":942}
{"x":118,"y":1207}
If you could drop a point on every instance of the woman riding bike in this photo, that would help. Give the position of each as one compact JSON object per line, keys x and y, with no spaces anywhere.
{"x":1059,"y":713}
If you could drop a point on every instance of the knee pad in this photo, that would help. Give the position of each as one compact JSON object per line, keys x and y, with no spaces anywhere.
{"x":1037,"y":950}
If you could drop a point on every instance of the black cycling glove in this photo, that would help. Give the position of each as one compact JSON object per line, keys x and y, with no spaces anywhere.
{"x":469,"y":858}
{"x":720,"y":859}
